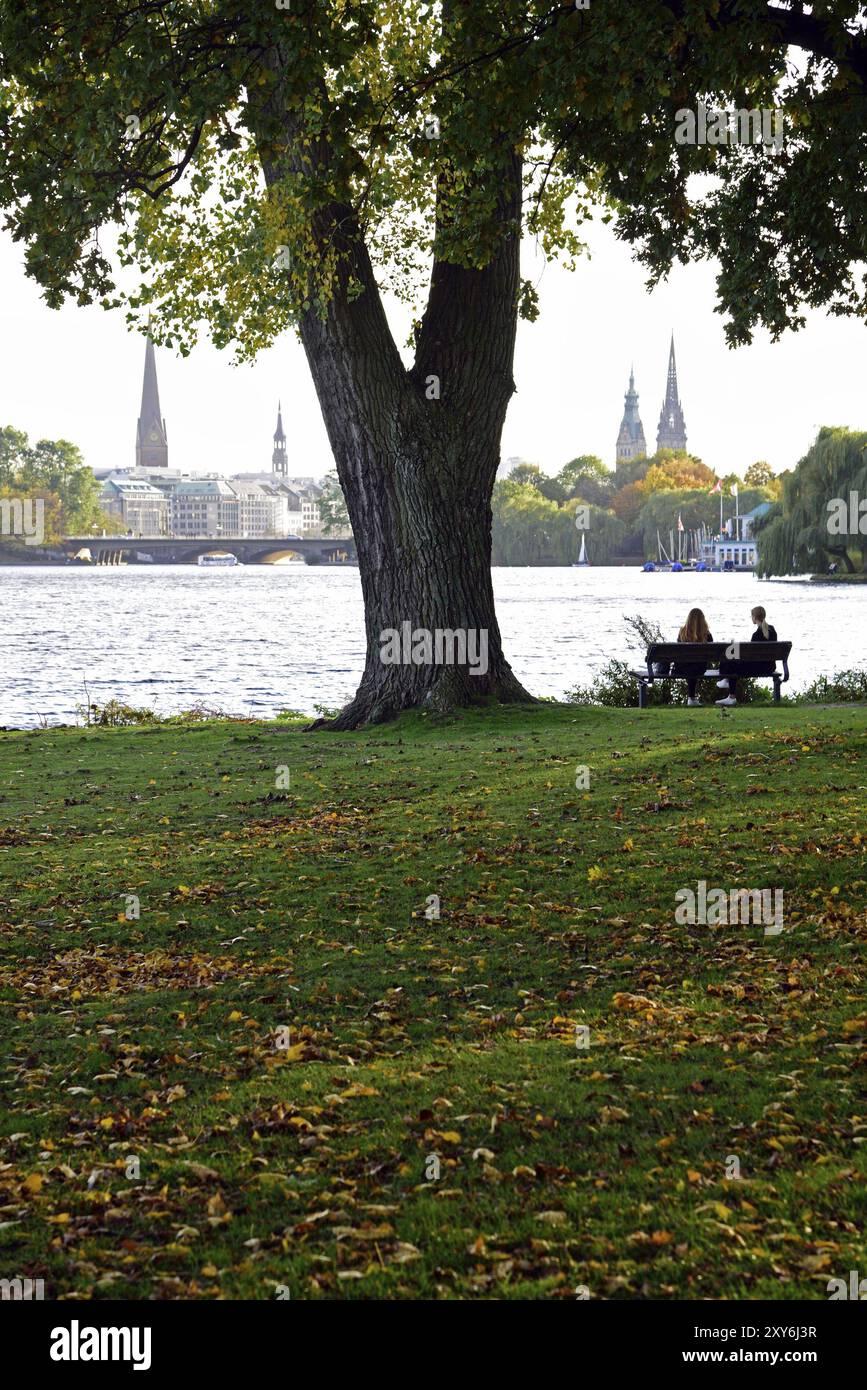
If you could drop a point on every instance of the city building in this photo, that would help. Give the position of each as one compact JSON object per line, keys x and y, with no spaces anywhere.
{"x":631,"y":443}
{"x":151,"y":499}
{"x":213,"y":507}
{"x":259,"y":510}
{"x":672,"y":427}
{"x":289,"y":502}
{"x":298,"y":497}
{"x":724,"y":552}
{"x":151,"y":441}
{"x":203,"y":507}
{"x":309,"y":493}
{"x":142,"y":508}
{"x":736,"y":548}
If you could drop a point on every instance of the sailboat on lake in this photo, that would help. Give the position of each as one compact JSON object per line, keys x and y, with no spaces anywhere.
{"x":582,"y":558}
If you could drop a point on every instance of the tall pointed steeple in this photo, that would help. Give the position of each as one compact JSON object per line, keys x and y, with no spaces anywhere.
{"x":279,"y":461}
{"x":631,"y":443}
{"x":672,"y":426}
{"x":151,"y":444}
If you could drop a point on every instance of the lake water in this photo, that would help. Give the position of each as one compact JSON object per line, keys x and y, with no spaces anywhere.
{"x":260,"y":639}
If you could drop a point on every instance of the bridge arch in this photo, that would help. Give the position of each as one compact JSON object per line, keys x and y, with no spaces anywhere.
{"x":313,"y":550}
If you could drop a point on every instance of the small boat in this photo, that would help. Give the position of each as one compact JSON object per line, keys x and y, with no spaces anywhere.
{"x":582,"y":558}
{"x":217,"y":560}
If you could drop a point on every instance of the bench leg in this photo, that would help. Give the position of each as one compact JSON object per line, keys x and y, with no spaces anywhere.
{"x":776,"y":689}
{"x":642,"y":694}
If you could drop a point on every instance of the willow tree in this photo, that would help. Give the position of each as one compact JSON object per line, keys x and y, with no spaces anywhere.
{"x":821,"y":517}
{"x":277,"y":163}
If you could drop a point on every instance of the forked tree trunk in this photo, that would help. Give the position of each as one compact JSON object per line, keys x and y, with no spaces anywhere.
{"x":417,"y":453}
{"x":422,"y":524}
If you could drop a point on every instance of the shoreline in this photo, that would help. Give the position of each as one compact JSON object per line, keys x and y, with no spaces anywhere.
{"x":23,"y":560}
{"x":178,"y":721}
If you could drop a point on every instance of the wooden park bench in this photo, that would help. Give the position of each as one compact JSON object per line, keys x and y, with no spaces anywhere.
{"x":742,"y":657}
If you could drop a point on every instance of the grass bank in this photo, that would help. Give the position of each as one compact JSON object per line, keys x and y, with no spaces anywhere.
{"x":282,"y":1077}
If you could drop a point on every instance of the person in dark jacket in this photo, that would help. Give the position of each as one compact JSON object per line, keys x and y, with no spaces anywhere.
{"x":764,"y":633}
{"x":695,"y":629}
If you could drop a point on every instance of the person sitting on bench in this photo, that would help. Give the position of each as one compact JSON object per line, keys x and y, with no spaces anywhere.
{"x":764,"y":633}
{"x":695,"y":629}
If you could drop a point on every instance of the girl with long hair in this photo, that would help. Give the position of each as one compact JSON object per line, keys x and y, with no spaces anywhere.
{"x":695,"y":629}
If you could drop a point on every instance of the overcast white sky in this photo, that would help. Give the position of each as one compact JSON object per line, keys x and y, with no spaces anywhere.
{"x":76,"y":374}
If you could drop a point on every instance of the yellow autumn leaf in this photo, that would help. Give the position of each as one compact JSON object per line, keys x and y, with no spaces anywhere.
{"x":855,"y":1025}
{"x":33,"y":1183}
{"x":719,"y":1209}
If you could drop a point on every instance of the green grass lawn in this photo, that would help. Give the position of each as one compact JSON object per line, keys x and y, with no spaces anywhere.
{"x":283,"y":1079}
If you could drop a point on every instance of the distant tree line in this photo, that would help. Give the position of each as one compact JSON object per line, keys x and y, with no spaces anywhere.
{"x":618,"y":512}
{"x":55,"y":472}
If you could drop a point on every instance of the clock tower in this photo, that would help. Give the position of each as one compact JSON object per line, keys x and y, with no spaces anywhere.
{"x":151,"y":443}
{"x":279,"y":462}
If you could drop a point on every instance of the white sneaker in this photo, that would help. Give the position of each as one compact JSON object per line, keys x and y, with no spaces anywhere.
{"x":693,"y":702}
{"x":723,"y":684}
{"x":729,"y":700}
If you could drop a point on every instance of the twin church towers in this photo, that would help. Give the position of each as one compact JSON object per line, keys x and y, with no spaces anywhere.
{"x":671,"y":433}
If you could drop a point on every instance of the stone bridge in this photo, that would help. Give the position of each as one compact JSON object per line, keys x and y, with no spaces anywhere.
{"x":167,"y":550}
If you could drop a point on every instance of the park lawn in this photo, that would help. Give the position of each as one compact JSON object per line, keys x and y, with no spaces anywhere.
{"x":160,"y":1139}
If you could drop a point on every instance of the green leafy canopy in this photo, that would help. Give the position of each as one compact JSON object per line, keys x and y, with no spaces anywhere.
{"x":233,"y":143}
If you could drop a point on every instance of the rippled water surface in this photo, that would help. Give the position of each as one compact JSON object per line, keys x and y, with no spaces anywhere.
{"x":260,"y":639}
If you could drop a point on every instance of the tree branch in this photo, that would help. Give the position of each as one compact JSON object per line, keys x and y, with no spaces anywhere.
{"x":823,"y":37}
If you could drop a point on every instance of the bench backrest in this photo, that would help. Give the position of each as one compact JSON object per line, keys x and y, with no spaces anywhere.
{"x":757,"y":653}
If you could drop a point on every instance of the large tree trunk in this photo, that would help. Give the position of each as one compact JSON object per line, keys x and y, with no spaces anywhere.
{"x":420,"y":510}
{"x":417,"y":452}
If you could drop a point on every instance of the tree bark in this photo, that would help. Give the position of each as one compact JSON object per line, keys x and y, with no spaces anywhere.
{"x":417,"y":452}
{"x":417,"y":473}
{"x":420,"y":509}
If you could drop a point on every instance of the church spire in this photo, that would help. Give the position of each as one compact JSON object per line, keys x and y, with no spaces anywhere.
{"x":279,"y":461}
{"x":151,"y":445}
{"x":631,"y":443}
{"x":672,"y":426}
